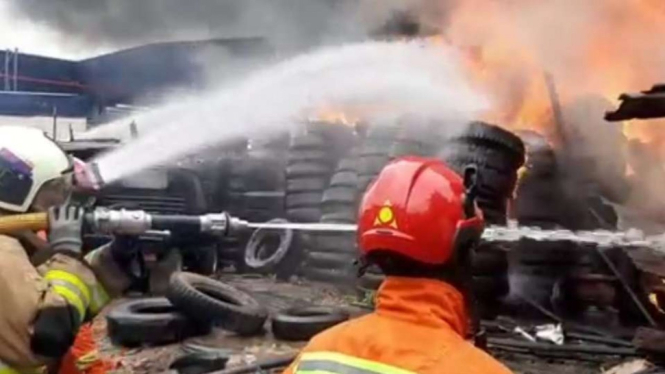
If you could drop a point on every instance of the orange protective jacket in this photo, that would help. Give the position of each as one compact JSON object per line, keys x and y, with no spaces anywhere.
{"x":418,"y":327}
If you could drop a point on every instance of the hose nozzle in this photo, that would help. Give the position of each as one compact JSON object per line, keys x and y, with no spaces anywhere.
{"x":87,"y":175}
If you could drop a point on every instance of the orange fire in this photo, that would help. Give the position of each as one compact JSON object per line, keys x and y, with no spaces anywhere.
{"x":597,"y":47}
{"x":335,"y":115}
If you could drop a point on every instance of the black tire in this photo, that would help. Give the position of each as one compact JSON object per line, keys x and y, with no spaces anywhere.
{"x":531,"y":252}
{"x":272,"y":201}
{"x":376,"y":148}
{"x":388,"y":132}
{"x":363,"y":183}
{"x":307,"y":169}
{"x":340,"y":195}
{"x":488,"y":260}
{"x":494,"y":217}
{"x":306,"y":185}
{"x":307,"y":142}
{"x":207,"y":300}
{"x":256,"y":246}
{"x":344,"y":178}
{"x":302,"y":324}
{"x":203,"y":260}
{"x":372,"y":164}
{"x":490,"y":288}
{"x":303,"y":200}
{"x":151,"y":321}
{"x":370,"y":281}
{"x":348,"y":164}
{"x":339,"y":216}
{"x":484,"y":134}
{"x":487,"y":157}
{"x":306,"y":155}
{"x":497,"y":203}
{"x":401,"y":149}
{"x":304,"y":214}
{"x":491,"y":181}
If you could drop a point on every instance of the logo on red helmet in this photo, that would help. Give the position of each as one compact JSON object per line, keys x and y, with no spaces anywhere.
{"x":386,"y":216}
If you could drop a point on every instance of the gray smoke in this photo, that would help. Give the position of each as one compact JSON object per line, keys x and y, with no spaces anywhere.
{"x":124,"y":23}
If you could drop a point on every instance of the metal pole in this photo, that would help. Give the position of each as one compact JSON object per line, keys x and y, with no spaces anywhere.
{"x":557,"y":113}
{"x":16,"y":69}
{"x":55,"y":122}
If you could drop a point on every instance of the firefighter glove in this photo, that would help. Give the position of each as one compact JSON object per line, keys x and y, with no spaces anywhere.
{"x":65,"y":229}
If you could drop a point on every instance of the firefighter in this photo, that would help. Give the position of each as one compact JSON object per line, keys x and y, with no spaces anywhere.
{"x":418,"y":223}
{"x":43,"y":308}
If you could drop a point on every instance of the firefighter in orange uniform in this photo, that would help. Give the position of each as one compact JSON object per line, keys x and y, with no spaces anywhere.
{"x":419,"y":224}
{"x":43,"y":307}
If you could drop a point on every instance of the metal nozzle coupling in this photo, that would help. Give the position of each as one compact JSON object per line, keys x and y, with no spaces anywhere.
{"x":222,"y":224}
{"x":133,"y":222}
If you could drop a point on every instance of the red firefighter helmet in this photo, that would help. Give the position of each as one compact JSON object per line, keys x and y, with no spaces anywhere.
{"x":416,"y":207}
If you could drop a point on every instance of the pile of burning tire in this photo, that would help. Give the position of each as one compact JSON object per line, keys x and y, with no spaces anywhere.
{"x":327,"y":168}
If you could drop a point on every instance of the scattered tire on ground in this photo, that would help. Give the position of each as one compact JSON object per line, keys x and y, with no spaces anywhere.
{"x":209,"y":301}
{"x":204,"y":261}
{"x":151,"y":321}
{"x":301,"y":324}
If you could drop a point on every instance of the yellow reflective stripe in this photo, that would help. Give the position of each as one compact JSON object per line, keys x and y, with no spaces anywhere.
{"x":60,"y":275}
{"x":86,"y":361}
{"x":72,"y":298}
{"x":5,"y":369}
{"x":337,"y":363}
{"x":99,"y":299}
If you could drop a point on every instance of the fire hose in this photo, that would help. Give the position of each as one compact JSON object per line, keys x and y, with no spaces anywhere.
{"x":133,"y":222}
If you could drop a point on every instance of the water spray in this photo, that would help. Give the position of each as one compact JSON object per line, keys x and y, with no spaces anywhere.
{"x":88,"y":176}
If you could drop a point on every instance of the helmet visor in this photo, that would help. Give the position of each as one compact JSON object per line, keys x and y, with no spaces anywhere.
{"x":15,"y":178}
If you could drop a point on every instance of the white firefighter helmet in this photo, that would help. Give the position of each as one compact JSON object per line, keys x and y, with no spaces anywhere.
{"x":28,"y":159}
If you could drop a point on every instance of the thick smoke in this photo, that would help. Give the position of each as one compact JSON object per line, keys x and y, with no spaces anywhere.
{"x":287,"y":23}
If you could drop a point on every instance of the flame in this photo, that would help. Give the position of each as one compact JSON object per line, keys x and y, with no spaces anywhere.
{"x":600,"y":48}
{"x":334,"y":115}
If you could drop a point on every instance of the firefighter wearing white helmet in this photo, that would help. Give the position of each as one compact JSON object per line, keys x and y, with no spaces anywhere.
{"x":43,"y":307}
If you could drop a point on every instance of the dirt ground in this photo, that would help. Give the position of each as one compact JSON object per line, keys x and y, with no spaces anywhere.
{"x":278,"y":295}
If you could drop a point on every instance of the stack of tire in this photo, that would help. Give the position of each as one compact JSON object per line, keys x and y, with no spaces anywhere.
{"x":313,"y":155}
{"x":331,"y":256}
{"x":384,"y":142}
{"x":498,"y":154}
{"x":538,"y":266}
{"x":539,"y":193}
{"x":255,"y":192}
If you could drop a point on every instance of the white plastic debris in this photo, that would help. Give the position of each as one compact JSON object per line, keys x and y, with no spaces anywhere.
{"x":551,"y":333}
{"x":520,"y":331}
{"x":628,"y":367}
